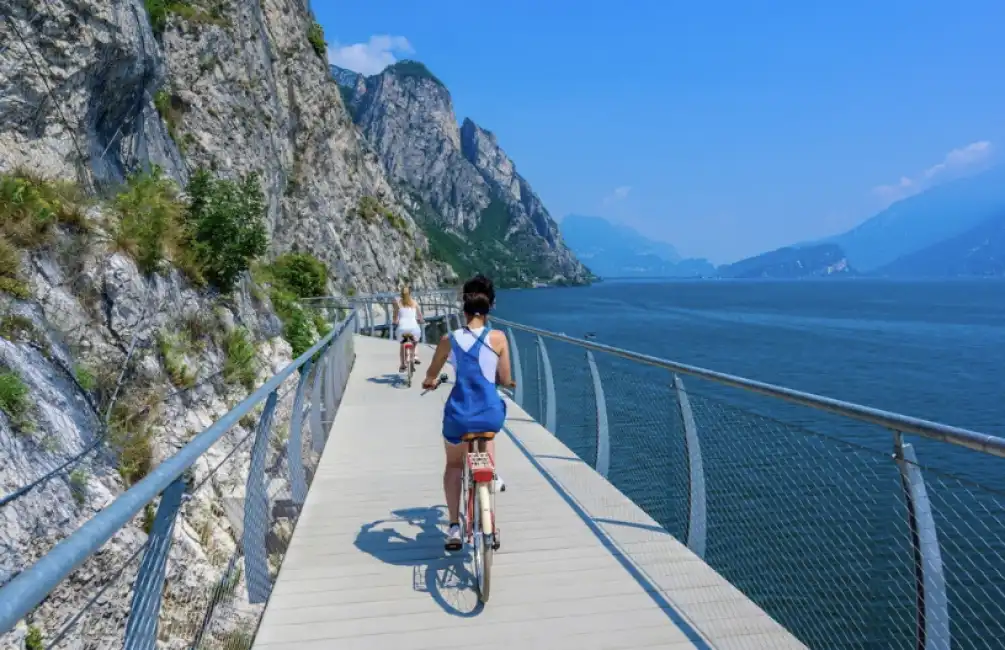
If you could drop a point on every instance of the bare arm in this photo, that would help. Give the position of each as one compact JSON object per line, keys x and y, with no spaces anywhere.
{"x":503,"y":373}
{"x":418,"y":312}
{"x":439,"y":359}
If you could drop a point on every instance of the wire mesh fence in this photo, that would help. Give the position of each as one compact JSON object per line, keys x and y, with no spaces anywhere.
{"x":238,"y":508}
{"x":816,"y":518}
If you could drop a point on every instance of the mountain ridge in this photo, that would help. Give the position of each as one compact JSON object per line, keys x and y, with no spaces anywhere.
{"x":616,"y":250}
{"x":923,"y":220}
{"x":478,"y":212}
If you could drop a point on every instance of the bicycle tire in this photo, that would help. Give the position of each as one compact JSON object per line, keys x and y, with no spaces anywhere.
{"x":482,"y":552}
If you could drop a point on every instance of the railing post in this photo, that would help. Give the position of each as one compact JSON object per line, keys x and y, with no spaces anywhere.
{"x":256,"y":510}
{"x":141,"y":628}
{"x":294,"y":441}
{"x":549,"y":388}
{"x":933,"y":631}
{"x":369,"y":317}
{"x":330,"y":384}
{"x":697,"y":526}
{"x":389,"y":321}
{"x":603,"y":435}
{"x":517,"y":370}
{"x":314,"y":419}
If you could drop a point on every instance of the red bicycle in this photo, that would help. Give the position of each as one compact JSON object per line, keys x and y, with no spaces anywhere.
{"x":478,"y":506}
{"x":408,"y":342}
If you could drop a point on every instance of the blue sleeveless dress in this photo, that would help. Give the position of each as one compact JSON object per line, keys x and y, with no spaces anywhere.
{"x":474,"y":405}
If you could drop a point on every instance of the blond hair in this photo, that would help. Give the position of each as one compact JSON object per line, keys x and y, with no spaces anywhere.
{"x":406,"y":296}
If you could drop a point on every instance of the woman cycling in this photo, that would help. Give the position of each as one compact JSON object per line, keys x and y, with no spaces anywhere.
{"x":480,"y":356}
{"x":407,"y":317}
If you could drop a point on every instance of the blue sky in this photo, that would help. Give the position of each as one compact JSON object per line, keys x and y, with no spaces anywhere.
{"x":724,"y":127}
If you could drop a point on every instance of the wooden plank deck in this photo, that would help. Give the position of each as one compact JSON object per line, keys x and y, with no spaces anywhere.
{"x":580,"y":565}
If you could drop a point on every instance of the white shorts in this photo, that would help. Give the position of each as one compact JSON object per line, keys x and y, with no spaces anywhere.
{"x":399,"y":333}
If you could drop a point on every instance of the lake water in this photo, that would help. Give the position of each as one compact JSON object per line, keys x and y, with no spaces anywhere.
{"x":806,"y":512}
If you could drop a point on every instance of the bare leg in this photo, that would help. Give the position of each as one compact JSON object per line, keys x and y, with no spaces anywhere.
{"x":452,"y":479}
{"x":401,"y":354}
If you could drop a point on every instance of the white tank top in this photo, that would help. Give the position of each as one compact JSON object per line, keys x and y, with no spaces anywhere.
{"x":406,"y":318}
{"x":488,"y":360}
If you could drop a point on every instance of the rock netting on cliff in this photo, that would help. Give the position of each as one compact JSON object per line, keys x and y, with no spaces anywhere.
{"x":478,"y":212}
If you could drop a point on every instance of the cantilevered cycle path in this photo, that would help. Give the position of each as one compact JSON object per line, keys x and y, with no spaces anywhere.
{"x":580,"y":565}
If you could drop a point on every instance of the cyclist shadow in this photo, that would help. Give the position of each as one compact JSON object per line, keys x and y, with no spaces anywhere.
{"x":413,"y":538}
{"x":394,"y":380}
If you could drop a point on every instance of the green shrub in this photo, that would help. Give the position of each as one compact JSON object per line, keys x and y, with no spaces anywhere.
{"x":78,"y":485}
{"x":15,"y":327}
{"x":30,"y":206}
{"x":130,"y":430}
{"x":173,"y":348}
{"x":316,"y":36}
{"x":85,"y":377}
{"x":225,"y":223}
{"x":240,"y":365}
{"x":33,"y":640}
{"x":149,"y":514}
{"x":301,"y":274}
{"x":14,"y":399}
{"x":398,"y":223}
{"x":149,"y":214}
{"x":321,"y":324}
{"x":371,"y":210}
{"x":159,"y":10}
{"x":298,"y":331}
{"x":169,"y":108}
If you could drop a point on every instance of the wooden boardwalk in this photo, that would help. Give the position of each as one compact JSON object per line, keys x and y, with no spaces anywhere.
{"x":580,"y":565}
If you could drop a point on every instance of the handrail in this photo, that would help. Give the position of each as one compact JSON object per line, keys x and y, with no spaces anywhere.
{"x":19,"y":596}
{"x":975,"y":440}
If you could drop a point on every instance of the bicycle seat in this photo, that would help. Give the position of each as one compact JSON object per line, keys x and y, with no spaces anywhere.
{"x":486,"y":435}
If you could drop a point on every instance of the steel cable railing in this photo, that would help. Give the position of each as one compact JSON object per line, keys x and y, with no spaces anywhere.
{"x":187,"y":556}
{"x":819,"y":511}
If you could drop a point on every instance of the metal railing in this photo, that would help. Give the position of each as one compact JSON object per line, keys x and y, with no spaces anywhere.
{"x":821,"y":511}
{"x":229,"y":499}
{"x":376,"y":309}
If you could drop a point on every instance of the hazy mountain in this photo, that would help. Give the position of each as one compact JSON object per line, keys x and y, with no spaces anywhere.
{"x":614,"y":250}
{"x":815,"y":260}
{"x":979,"y":251}
{"x":923,"y":220}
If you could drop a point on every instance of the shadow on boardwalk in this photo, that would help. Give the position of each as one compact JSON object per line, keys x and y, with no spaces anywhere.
{"x":392,"y":380}
{"x":412,"y":537}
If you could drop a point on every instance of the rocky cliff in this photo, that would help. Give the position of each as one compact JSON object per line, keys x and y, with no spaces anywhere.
{"x":477,"y":211}
{"x":109,"y":274}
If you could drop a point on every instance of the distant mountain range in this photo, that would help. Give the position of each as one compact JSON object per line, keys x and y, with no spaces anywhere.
{"x":952,"y":230}
{"x":978,"y":252}
{"x":923,"y":220}
{"x":616,"y":251}
{"x":817,"y":260}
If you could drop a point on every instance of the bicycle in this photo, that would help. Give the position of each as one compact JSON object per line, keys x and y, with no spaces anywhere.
{"x":408,"y":341}
{"x":477,"y":507}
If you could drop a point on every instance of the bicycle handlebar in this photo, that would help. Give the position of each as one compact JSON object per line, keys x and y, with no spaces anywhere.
{"x":442,"y":380}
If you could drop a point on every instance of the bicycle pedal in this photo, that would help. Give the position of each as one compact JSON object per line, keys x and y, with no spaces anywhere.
{"x":496,"y":541}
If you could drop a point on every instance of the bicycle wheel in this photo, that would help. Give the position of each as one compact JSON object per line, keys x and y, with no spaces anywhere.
{"x":482,"y":544}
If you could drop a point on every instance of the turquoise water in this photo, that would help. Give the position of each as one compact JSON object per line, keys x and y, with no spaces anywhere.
{"x":806,"y":511}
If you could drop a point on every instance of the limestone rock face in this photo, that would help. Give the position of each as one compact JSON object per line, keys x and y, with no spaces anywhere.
{"x":478,"y":211}
{"x":92,"y":91}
